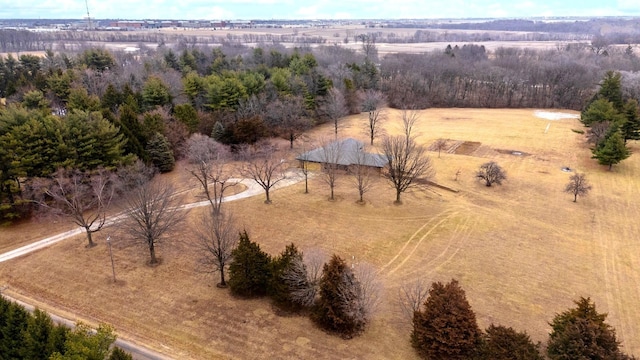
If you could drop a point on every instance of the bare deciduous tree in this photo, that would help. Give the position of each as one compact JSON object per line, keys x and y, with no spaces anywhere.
{"x":373,"y":102}
{"x":440,"y":145}
{"x":411,"y":297}
{"x":577,"y":186}
{"x":208,"y":159}
{"x":81,"y":196}
{"x":408,"y":162}
{"x":361,"y":173}
{"x":369,"y":291}
{"x":288,"y":117}
{"x":410,"y":119}
{"x":304,"y":168}
{"x":598,"y":131}
{"x":152,"y":213}
{"x":331,"y":159}
{"x":491,"y":173}
{"x":335,"y":108}
{"x":303,"y":277}
{"x":264,"y":166}
{"x":216,"y":236}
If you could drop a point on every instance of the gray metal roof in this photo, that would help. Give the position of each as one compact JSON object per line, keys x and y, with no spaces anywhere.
{"x":348,"y":154}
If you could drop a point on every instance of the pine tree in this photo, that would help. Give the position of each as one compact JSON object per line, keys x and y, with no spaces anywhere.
{"x":581,"y":333}
{"x":611,"y":151}
{"x":12,"y":324}
{"x":631,"y":125}
{"x":504,"y":343}
{"x":446,"y":327}
{"x":249,"y":271}
{"x":278,"y":289}
{"x":160,"y":153}
{"x":338,"y":307}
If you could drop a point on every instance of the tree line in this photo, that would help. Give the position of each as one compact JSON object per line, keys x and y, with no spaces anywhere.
{"x":445,"y":327}
{"x":31,"y":336}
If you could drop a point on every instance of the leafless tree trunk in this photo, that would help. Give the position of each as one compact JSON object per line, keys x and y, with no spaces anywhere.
{"x":288,"y":117}
{"x":410,"y":119}
{"x":408,"y":162}
{"x":369,"y":291}
{"x":578,"y":186}
{"x":216,"y":237}
{"x":491,"y":173}
{"x":264,"y":166}
{"x":335,"y":108}
{"x":440,"y":145}
{"x":411,"y":297}
{"x":80,"y":196}
{"x":373,"y":102}
{"x":208,"y":160}
{"x":331,"y":159}
{"x":304,"y":156}
{"x":303,"y":277}
{"x":361,"y":173}
{"x":152,"y":213}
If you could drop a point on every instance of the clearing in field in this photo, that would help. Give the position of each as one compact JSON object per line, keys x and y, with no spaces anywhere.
{"x":522,"y":251}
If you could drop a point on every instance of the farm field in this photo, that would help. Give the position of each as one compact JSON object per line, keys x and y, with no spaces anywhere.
{"x":522,"y":251}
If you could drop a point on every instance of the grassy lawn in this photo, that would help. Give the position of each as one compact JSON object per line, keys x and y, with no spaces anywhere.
{"x":522,"y":251}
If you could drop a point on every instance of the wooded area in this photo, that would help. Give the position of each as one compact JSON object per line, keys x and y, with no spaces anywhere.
{"x":95,"y":109}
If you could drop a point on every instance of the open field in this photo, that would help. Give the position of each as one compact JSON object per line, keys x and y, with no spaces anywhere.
{"x":523,"y":251}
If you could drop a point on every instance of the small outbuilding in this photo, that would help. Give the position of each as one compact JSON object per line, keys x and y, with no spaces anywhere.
{"x":343,"y":153}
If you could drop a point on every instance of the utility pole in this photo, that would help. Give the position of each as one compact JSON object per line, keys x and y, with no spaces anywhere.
{"x":113,"y":267}
{"x":86,"y":3}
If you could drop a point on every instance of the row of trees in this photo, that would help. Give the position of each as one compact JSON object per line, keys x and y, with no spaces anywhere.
{"x":338,"y":297}
{"x":612,"y":119}
{"x":34,"y":336}
{"x":445,"y":327}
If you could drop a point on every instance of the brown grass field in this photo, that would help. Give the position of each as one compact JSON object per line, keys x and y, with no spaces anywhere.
{"x":522,"y":251}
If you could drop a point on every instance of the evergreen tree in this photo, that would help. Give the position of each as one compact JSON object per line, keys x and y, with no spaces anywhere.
{"x":41,"y":338}
{"x":119,"y":354}
{"x":504,"y":343}
{"x":160,"y":153}
{"x":599,"y":111}
{"x":13,"y":323}
{"x":187,"y":114}
{"x":278,"y":289}
{"x":338,"y":307}
{"x":631,"y":125}
{"x":446,"y":327}
{"x":611,"y":151}
{"x":249,"y":270}
{"x":155,"y":93}
{"x":611,"y":89}
{"x":581,"y":333}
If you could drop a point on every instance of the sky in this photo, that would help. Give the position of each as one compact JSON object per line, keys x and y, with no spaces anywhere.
{"x":316,"y":9}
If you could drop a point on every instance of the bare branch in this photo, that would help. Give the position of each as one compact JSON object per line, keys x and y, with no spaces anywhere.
{"x":207,"y":160}
{"x":373,"y":103}
{"x":408,"y":162}
{"x":303,"y":277}
{"x":264,"y":166}
{"x":577,"y":186}
{"x":152,"y":213}
{"x":83,"y":197}
{"x":216,"y":237}
{"x":411,"y":297}
{"x":491,"y":173}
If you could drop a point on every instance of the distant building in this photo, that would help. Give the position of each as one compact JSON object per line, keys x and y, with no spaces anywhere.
{"x":349,"y":150}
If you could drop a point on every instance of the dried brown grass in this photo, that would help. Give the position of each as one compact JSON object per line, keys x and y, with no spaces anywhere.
{"x":523,"y":251}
